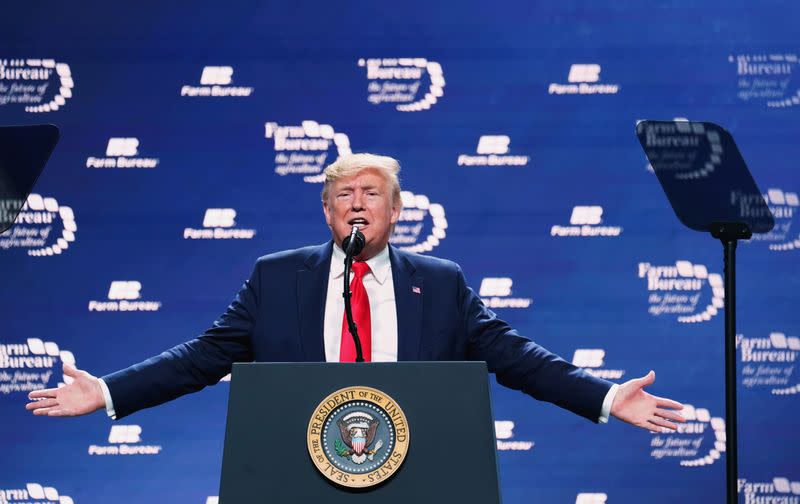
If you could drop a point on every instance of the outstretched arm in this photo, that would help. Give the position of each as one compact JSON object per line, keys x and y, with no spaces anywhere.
{"x":522,"y":364}
{"x":185,"y":368}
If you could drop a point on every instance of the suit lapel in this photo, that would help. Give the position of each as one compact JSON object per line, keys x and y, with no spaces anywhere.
{"x":408,"y":301}
{"x":312,"y":290}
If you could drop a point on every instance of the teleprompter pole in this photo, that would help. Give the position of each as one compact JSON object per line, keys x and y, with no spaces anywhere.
{"x":729,"y":234}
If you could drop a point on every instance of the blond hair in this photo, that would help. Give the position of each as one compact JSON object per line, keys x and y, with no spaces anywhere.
{"x":350,"y":164}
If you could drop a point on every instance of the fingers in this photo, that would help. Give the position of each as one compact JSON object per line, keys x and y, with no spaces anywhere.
{"x":652,"y":427}
{"x":663,"y":402}
{"x":647,"y":379}
{"x":54,"y":411}
{"x":44,"y":403}
{"x":38,"y":394}
{"x":59,"y":412}
{"x":670,"y":415}
{"x":663,"y":423}
{"x":45,"y":411}
{"x":71,"y":370}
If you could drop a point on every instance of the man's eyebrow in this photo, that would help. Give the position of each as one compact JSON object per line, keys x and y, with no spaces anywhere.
{"x":350,"y":187}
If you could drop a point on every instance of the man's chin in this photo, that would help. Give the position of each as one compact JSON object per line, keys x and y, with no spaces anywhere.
{"x":371,"y":249}
{"x":346,"y":232}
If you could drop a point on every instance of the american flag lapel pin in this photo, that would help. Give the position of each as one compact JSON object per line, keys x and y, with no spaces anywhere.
{"x":416,"y":290}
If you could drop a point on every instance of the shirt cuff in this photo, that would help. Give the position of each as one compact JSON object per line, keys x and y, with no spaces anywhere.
{"x":605,"y":411}
{"x":110,"y":403}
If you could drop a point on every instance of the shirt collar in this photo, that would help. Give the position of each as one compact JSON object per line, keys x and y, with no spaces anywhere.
{"x":379,"y":265}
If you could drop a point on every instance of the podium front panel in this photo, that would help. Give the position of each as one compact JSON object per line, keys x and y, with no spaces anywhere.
{"x":451,"y":455}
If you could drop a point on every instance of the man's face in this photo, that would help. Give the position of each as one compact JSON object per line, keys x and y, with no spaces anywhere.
{"x":364,"y":199}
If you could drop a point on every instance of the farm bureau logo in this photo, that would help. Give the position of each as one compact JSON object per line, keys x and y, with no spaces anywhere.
{"x":122,"y":153}
{"x":784,"y":206}
{"x":216,"y":81}
{"x":649,"y":167}
{"x":33,"y":493}
{"x":504,"y":432}
{"x":675,"y":146}
{"x":496,"y":293}
{"x":591,"y":360}
{"x":35,"y":225}
{"x":400,"y":81}
{"x":678,"y":289}
{"x":769,"y":362}
{"x":26,"y":81}
{"x":767,"y":79}
{"x":419,"y":215}
{"x":304,"y":149}
{"x":124,"y":440}
{"x":492,"y":150}
{"x":591,"y":498}
{"x":778,"y":491}
{"x":698,"y":442}
{"x":30,"y":366}
{"x":584,"y":222}
{"x":218,"y":224}
{"x":123,"y":296}
{"x":583,"y":79}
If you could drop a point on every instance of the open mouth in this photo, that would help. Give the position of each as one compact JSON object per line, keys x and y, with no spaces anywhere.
{"x":358,"y":221}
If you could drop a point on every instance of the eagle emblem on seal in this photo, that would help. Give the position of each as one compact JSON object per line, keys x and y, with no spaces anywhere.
{"x":357,"y":437}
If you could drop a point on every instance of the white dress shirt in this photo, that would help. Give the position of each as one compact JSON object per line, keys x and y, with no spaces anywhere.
{"x":383,"y":316}
{"x":382,"y":312}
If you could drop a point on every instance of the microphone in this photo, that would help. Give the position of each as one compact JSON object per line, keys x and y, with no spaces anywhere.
{"x":352,"y":245}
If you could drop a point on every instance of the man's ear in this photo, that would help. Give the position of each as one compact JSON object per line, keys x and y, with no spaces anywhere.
{"x":397,"y":207}
{"x":327,"y":212}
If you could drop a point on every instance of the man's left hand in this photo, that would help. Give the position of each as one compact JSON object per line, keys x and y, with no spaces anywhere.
{"x":635,"y":406}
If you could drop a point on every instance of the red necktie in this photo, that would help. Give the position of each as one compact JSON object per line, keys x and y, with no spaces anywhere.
{"x":360,"y":304}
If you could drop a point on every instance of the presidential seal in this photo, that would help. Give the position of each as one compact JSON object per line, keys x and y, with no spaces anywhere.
{"x":358,"y":437}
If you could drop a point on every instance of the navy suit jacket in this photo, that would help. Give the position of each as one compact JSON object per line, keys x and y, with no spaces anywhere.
{"x":278,"y":315}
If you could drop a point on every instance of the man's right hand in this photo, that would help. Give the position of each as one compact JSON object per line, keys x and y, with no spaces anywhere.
{"x":81,"y":397}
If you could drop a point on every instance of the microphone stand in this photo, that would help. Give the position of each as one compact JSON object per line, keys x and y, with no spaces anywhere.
{"x":347,"y":294}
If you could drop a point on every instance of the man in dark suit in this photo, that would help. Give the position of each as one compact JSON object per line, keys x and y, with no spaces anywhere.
{"x":408,"y":307}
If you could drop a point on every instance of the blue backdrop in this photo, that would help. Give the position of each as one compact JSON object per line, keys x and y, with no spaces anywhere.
{"x":192,"y":137}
